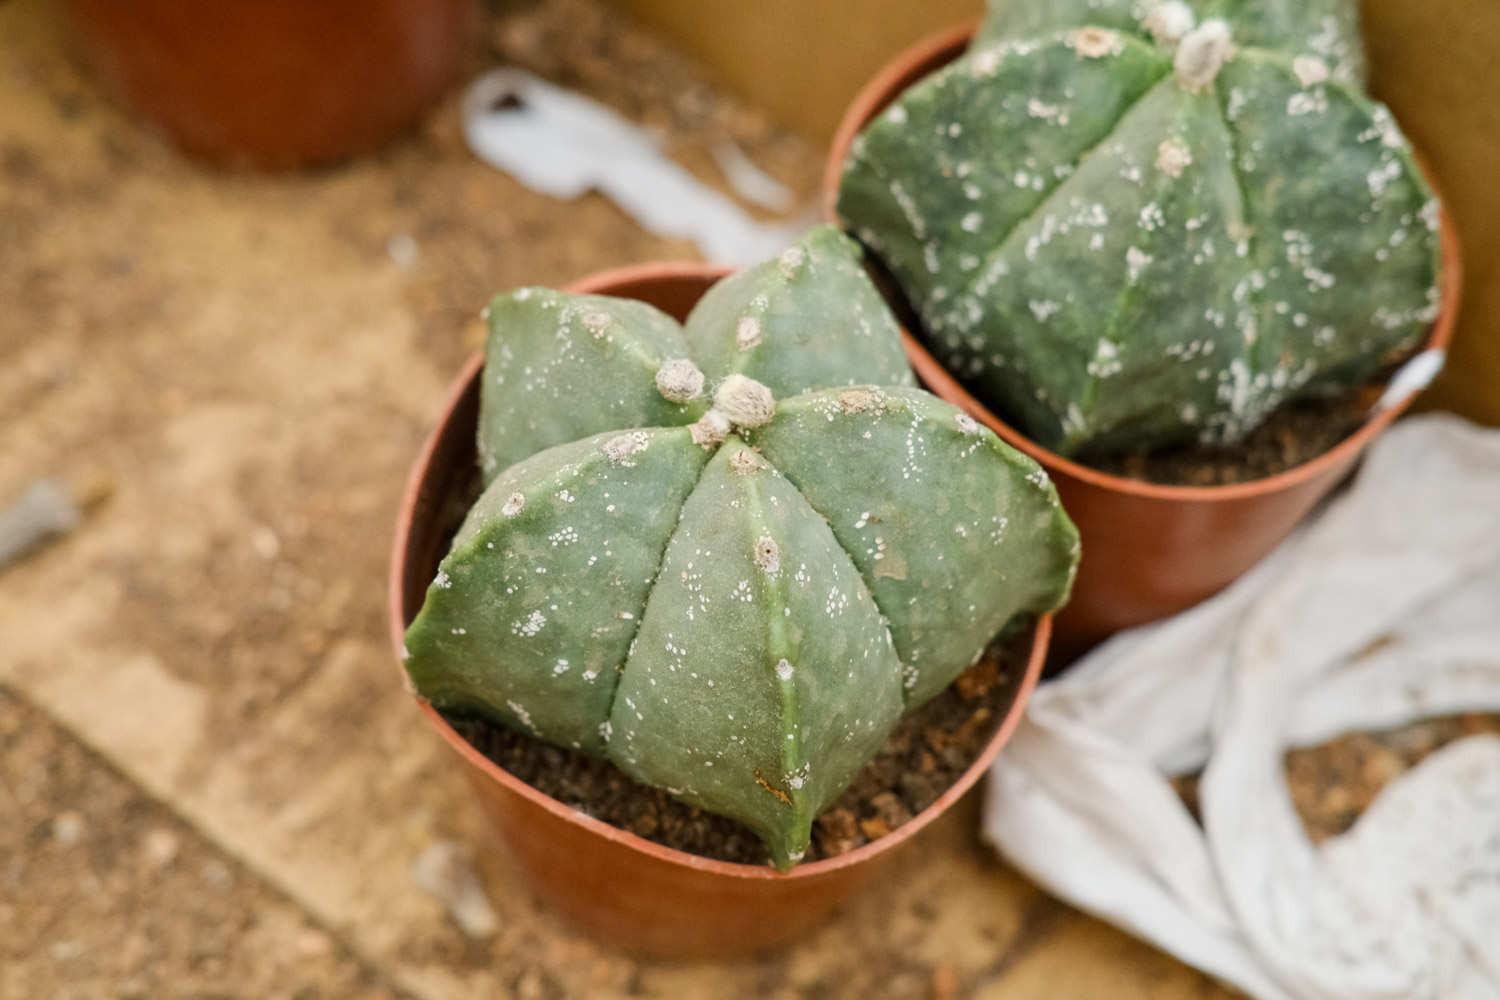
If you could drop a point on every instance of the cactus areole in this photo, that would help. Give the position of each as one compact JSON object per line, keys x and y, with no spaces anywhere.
{"x":702,"y":555}
{"x":1126,"y":225}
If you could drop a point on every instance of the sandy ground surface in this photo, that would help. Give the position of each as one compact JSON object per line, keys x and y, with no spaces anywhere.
{"x":211,"y":782}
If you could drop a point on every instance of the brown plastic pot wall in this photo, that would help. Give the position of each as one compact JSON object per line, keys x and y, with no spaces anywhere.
{"x":274,"y":83}
{"x":1149,"y":551}
{"x":627,"y":890}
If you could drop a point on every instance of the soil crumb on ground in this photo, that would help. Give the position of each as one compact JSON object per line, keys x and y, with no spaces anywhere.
{"x":923,"y":757}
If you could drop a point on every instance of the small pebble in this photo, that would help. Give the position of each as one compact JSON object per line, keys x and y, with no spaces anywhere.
{"x":161,"y":847}
{"x":67,"y":828}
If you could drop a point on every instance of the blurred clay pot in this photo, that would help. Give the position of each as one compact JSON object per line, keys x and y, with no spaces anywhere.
{"x":630,"y":891}
{"x":1149,"y":551}
{"x":274,"y":83}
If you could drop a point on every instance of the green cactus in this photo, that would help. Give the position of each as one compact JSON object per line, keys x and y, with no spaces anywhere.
{"x":1129,"y":234}
{"x":738,"y":604}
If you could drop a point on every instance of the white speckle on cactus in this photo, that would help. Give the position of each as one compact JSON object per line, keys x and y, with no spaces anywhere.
{"x":459,"y":630}
{"x":954,"y":130}
{"x":785,"y":671}
{"x":1169,"y":22}
{"x":747,"y":333}
{"x":596,"y":322}
{"x":514,"y":504}
{"x":1202,"y":53}
{"x":743,"y":592}
{"x":530,"y":625}
{"x":1151,"y":217}
{"x":521,"y":714}
{"x":896,"y":114}
{"x":622,"y":448}
{"x":521,"y":294}
{"x":1096,"y":241}
{"x":985,"y":64}
{"x":564,"y":536}
{"x":1307,"y":103}
{"x":768,"y":554}
{"x":1380,"y":178}
{"x":1106,"y":361}
{"x":559,"y":668}
{"x":679,"y":381}
{"x":909,"y":209}
{"x":1095,"y":43}
{"x":1043,"y":309}
{"x":971,"y":222}
{"x":1173,"y":157}
{"x":791,"y":260}
{"x":1430,"y":215}
{"x":745,"y":402}
{"x":1135,"y":262}
{"x":966,"y":423}
{"x":442,"y":580}
{"x":710,"y":429}
{"x":1047,"y":112}
{"x":1310,"y":70}
{"x":1317,"y":280}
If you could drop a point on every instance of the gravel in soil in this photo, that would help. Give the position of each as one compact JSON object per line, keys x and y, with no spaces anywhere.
{"x":921,"y":759}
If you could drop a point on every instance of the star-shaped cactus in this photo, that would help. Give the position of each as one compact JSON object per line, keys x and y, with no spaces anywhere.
{"x":704,"y":556}
{"x":1144,"y":228}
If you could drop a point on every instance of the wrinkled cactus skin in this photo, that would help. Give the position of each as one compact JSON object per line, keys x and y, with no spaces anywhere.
{"x":1121,"y":243}
{"x":739,"y":619}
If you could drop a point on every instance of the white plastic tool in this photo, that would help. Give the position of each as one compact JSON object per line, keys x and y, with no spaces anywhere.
{"x":562,"y":144}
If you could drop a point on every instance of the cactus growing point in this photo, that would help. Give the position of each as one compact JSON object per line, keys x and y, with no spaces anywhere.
{"x":1124,"y":228}
{"x":737,"y":604}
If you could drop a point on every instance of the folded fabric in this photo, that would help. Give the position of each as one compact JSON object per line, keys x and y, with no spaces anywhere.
{"x":1383,"y":610}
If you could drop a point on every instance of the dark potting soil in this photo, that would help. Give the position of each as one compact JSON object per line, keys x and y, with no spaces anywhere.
{"x":921,"y":759}
{"x":1296,"y":432}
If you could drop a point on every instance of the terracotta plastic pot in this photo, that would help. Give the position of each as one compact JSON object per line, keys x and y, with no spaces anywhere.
{"x":630,"y":891}
{"x":275,"y":83}
{"x":1149,"y":551}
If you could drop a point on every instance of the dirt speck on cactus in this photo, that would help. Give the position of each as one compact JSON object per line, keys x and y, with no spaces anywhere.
{"x":621,"y":448}
{"x":1173,"y":157}
{"x":1090,"y":43}
{"x":768,"y":555}
{"x":858,"y":400}
{"x":747,"y":333}
{"x":744,"y":462}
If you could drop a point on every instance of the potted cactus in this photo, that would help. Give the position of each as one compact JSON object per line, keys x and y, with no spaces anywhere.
{"x":1123,"y":230}
{"x":727,"y":556}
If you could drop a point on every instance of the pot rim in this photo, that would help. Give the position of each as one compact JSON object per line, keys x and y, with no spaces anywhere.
{"x":397,"y":615}
{"x":949,"y":44}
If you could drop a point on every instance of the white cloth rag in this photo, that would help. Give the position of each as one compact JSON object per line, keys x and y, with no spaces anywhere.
{"x":1383,"y":610}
